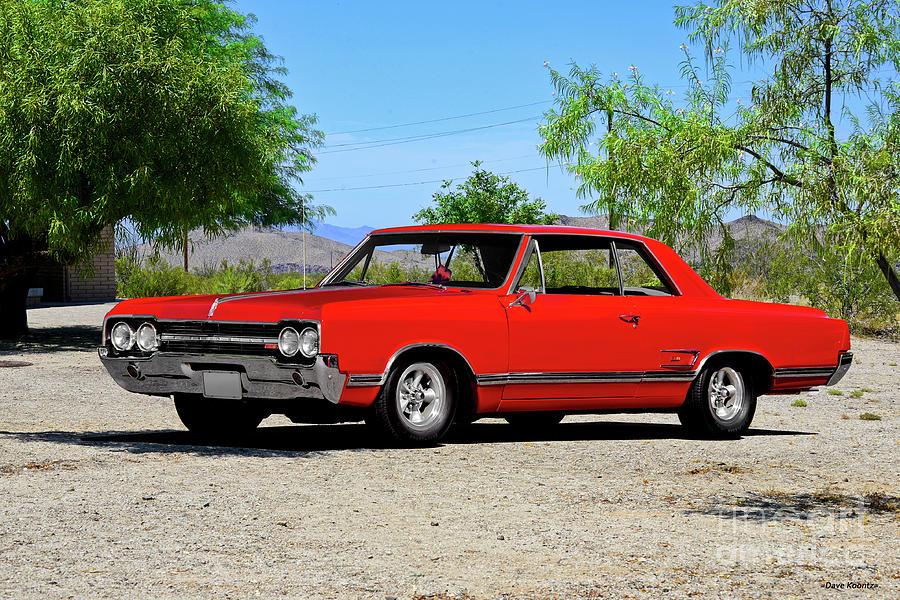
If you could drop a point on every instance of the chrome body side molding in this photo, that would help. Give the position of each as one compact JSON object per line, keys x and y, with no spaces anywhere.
{"x":804,"y":372}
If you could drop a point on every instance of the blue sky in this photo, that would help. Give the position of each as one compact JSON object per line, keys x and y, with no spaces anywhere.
{"x":360,"y":65}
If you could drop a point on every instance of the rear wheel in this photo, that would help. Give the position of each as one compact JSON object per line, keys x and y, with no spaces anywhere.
{"x":211,"y":416}
{"x":417,"y":404}
{"x":720,"y":403}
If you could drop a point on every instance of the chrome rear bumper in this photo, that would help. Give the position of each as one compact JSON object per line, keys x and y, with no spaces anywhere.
{"x":844,"y":362}
{"x":167,"y":373}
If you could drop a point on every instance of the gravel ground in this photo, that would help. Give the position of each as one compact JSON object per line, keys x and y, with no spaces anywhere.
{"x":105,"y":495}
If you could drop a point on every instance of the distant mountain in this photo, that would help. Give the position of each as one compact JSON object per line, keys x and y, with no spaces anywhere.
{"x":284,"y":249}
{"x":345,"y":235}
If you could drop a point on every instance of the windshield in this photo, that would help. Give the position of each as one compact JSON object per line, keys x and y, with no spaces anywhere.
{"x":447,"y":259}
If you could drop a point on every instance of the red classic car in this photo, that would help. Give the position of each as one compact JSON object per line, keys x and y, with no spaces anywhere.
{"x":421,"y":327}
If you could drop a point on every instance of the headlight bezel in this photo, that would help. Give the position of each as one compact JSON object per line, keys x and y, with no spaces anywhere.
{"x":315,"y":349}
{"x":131,"y":336}
{"x":285,"y":331}
{"x":137,"y":337}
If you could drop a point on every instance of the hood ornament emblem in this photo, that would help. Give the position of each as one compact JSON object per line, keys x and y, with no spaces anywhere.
{"x":212,"y":308}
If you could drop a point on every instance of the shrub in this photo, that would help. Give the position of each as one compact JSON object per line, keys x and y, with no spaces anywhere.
{"x":844,"y":284}
{"x":867,"y":416}
{"x":235,"y":279}
{"x":294,"y":281}
{"x":155,"y":278}
{"x":799,"y":403}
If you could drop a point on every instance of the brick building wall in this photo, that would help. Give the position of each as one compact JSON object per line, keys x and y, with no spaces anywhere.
{"x":99,"y":283}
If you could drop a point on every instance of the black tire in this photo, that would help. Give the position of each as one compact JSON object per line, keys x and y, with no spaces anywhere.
{"x":697,"y":414}
{"x":535,"y":421}
{"x":208,"y":416}
{"x":395,"y":420}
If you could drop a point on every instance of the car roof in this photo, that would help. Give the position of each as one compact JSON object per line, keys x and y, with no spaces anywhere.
{"x":504,"y":228}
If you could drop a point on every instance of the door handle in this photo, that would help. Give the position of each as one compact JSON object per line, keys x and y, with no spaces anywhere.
{"x":633,"y":319}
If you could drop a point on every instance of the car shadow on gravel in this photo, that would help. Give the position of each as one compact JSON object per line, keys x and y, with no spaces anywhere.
{"x":776,"y":506}
{"x":48,"y":340}
{"x":316,"y":439}
{"x":499,"y":432}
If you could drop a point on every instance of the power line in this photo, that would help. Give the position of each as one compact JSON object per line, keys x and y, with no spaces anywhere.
{"x":495,"y":160}
{"x":411,"y":183}
{"x":417,"y":138}
{"x":538,"y":103}
{"x":412,"y":137}
{"x":441,"y":119}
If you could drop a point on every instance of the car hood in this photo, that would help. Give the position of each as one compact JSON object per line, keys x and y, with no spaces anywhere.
{"x":266,"y":307}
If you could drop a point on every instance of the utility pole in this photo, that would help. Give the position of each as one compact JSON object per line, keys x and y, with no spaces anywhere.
{"x":303,"y":234}
{"x":184,"y":250}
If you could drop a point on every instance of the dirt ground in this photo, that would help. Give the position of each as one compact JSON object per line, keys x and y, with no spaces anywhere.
{"x":103,"y":494}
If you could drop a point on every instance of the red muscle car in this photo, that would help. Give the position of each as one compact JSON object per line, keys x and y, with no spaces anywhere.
{"x":420,"y":327}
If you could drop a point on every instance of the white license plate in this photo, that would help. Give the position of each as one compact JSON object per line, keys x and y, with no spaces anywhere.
{"x":222,"y":384}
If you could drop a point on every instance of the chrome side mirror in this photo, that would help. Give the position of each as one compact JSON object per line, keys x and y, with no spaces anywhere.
{"x":524,"y":293}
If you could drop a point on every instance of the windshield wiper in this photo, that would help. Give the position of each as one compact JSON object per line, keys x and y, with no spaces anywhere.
{"x":418,"y":283}
{"x":347,"y":282}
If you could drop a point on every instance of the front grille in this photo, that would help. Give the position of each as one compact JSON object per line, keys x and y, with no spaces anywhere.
{"x":216,"y":348}
{"x":220,"y":328}
{"x":217,"y":337}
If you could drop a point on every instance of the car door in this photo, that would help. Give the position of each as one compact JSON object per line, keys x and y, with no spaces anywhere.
{"x":668,"y":334}
{"x":570,"y":347}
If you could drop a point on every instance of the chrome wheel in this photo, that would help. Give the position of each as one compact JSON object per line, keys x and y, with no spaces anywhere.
{"x":726,"y":394}
{"x":421,"y":395}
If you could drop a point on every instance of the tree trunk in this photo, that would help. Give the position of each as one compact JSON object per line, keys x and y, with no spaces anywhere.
{"x":13,"y":297}
{"x":890,"y":274}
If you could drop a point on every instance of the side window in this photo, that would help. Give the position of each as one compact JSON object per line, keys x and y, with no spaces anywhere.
{"x":640,"y":275}
{"x":531,"y":276}
{"x":582,"y":265}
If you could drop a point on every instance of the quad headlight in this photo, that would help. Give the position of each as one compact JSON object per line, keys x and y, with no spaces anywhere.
{"x":306,"y":342}
{"x":289,"y":341}
{"x":147,"y":339}
{"x":309,"y":342}
{"x":122,"y":337}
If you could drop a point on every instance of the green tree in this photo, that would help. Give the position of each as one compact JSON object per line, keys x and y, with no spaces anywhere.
{"x":166,"y":114}
{"x":484,"y":198}
{"x":678,"y":167}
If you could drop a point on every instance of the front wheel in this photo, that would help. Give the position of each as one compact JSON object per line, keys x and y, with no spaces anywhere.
{"x":417,"y":404}
{"x":720,"y":403}
{"x":209,"y":416}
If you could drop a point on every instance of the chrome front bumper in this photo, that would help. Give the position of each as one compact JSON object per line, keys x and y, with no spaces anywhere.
{"x":167,"y":373}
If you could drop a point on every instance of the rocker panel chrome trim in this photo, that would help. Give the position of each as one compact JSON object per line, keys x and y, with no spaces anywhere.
{"x":584,"y":377}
